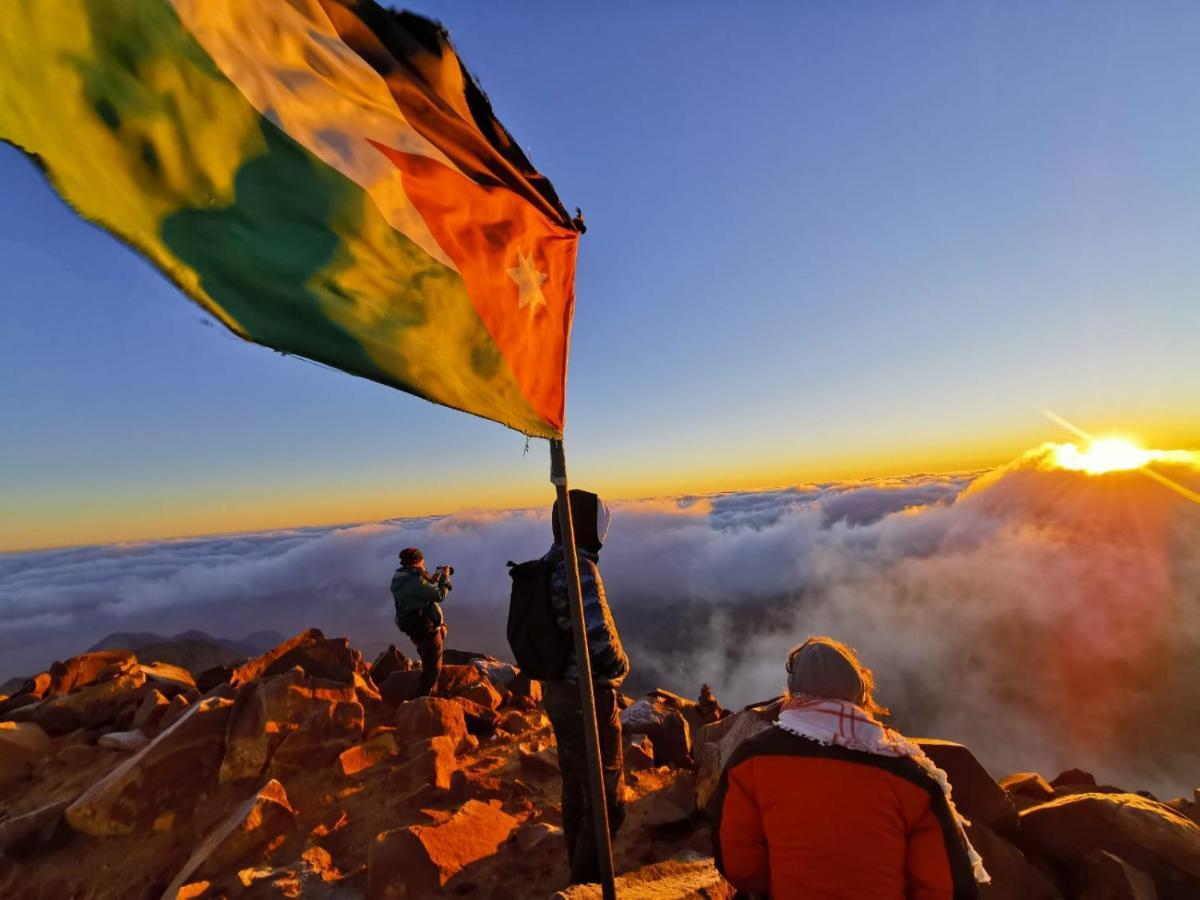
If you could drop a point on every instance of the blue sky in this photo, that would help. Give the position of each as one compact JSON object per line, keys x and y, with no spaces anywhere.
{"x":823,"y":242}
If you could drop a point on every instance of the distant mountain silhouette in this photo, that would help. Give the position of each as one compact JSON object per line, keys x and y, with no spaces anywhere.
{"x":194,"y":650}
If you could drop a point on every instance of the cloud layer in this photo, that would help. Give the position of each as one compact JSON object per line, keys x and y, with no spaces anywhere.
{"x":1046,"y":617}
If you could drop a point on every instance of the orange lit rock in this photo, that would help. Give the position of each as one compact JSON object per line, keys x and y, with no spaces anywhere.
{"x":1149,"y":835}
{"x":169,"y":679}
{"x":665,"y":724}
{"x":254,"y":668}
{"x":314,"y":717}
{"x":428,"y":717}
{"x":1106,"y":877}
{"x":157,"y":779}
{"x":89,"y":668}
{"x":389,"y":661}
{"x":419,"y":860}
{"x":176,"y":707}
{"x":484,"y":694}
{"x":368,"y":754}
{"x":400,"y":686}
{"x":151,"y":710}
{"x":454,"y":681}
{"x":429,"y":763}
{"x":639,"y":752}
{"x":90,"y":707}
{"x":332,"y":659}
{"x":674,"y":879}
{"x":1029,"y":785}
{"x":234,"y":842}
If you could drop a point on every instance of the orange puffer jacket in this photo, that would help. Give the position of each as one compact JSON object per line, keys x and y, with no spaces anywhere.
{"x":797,"y":819}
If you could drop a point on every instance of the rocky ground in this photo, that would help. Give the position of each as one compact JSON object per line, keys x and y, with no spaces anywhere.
{"x":306,"y":772}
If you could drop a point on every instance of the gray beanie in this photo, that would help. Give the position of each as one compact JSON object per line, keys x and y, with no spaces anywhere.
{"x":824,"y":667}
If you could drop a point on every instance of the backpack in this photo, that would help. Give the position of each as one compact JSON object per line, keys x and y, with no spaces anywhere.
{"x":541,"y":650}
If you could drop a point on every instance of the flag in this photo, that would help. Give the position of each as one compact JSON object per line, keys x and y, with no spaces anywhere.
{"x":323,"y":176}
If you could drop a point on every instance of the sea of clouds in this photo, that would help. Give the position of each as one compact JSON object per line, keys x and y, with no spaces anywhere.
{"x":1048,"y":618}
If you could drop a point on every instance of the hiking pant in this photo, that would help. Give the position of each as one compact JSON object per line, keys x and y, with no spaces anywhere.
{"x":429,"y":648}
{"x":562,"y":704}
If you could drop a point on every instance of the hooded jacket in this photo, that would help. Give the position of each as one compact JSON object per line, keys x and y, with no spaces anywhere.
{"x":418,"y":603}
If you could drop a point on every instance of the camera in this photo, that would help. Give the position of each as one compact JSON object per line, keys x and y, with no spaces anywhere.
{"x":443,"y":573}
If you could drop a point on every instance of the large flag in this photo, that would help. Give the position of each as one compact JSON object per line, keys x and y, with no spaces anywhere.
{"x":323,"y":176}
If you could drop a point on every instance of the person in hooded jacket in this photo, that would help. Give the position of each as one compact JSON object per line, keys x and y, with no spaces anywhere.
{"x":831,"y":803}
{"x":418,"y":598}
{"x":561,"y":698}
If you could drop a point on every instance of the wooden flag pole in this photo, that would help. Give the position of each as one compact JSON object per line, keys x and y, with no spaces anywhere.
{"x":587,"y":699}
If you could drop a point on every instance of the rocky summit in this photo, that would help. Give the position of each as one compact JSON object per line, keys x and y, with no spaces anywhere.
{"x":306,"y":771}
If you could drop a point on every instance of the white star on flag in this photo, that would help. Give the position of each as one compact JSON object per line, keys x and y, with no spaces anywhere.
{"x":529,"y":282}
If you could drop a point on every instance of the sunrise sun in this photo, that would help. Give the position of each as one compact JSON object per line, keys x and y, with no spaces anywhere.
{"x":1102,"y":455}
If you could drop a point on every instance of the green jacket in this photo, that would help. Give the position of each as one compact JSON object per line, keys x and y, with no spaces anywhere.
{"x":418,"y":602}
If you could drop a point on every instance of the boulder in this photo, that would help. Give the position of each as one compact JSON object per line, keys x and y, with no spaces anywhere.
{"x":427,"y":717}
{"x":418,"y":860}
{"x":430,"y":764}
{"x":684,"y":879}
{"x":1106,"y":877}
{"x":89,"y":668}
{"x":218,"y":674}
{"x":975,"y":793}
{"x":368,"y":754}
{"x":639,"y":752}
{"x":539,"y":763}
{"x":666,"y":726}
{"x":233,"y":843}
{"x":481,"y":720}
{"x":534,"y":834}
{"x":126,"y":741}
{"x":525,"y":687}
{"x":332,"y":659}
{"x":289,"y":720}
{"x":176,"y":707}
{"x":389,"y":661}
{"x":1028,"y":784}
{"x":90,"y":707}
{"x":168,"y":679}
{"x":365,"y":688}
{"x":453,"y":680}
{"x":1148,"y":835}
{"x":1013,"y":876}
{"x":716,"y":743}
{"x":151,"y":710}
{"x":22,"y":746}
{"x":22,"y":836}
{"x":254,"y":668}
{"x":484,"y":694}
{"x":160,"y":778}
{"x":497,"y":672}
{"x":38,"y":686}
{"x":1073,"y":777}
{"x":12,"y":704}
{"x":400,"y":686}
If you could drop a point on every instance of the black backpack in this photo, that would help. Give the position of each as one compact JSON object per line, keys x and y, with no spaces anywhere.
{"x":540,"y":649}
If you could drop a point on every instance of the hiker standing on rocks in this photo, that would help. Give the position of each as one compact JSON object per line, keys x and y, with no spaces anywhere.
{"x":561,"y":696}
{"x":831,"y":803}
{"x":418,"y":597}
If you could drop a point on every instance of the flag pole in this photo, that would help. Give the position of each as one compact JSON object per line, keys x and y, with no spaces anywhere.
{"x":558,"y":476}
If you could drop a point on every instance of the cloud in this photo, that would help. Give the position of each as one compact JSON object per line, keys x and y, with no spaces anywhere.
{"x":1048,"y":618}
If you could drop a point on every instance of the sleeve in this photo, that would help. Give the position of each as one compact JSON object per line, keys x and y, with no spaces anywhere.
{"x":741,"y":845}
{"x":936,"y":862}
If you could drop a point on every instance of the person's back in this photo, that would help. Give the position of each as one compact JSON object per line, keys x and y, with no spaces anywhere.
{"x":795,"y":818}
{"x":830,"y":804}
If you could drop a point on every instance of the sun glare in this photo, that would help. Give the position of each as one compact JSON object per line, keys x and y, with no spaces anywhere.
{"x":1102,"y":455}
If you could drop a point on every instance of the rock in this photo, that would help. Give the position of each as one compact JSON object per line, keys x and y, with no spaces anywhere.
{"x":151,"y":710}
{"x":453,"y":681}
{"x":716,"y":743}
{"x":431,"y":764}
{"x":526,"y":687}
{"x":481,"y":720}
{"x":332,"y":659}
{"x":23,"y":835}
{"x":1028,"y":784}
{"x":248,"y":829}
{"x":400,"y":686}
{"x":167,"y":678}
{"x":1013,"y":876}
{"x":639,"y":752}
{"x":671,"y":804}
{"x":218,"y":674}
{"x":666,"y":726}
{"x":497,"y":672}
{"x":157,"y":779}
{"x":92,"y":706}
{"x":22,"y":747}
{"x":542,"y":763}
{"x":1149,"y":835}
{"x":534,"y":834}
{"x":38,"y":686}
{"x":176,"y":707}
{"x":1107,"y":877}
{"x":418,"y":860}
{"x":428,"y":717}
{"x":691,"y":879}
{"x":368,"y":754}
{"x":290,"y":721}
{"x":389,"y":661}
{"x":127,"y":741}
{"x":1074,"y":777}
{"x":974,"y":792}
{"x":466,"y":785}
{"x":12,"y":704}
{"x":254,"y":668}
{"x":88,"y":669}
{"x":484,"y":694}
{"x":365,"y":688}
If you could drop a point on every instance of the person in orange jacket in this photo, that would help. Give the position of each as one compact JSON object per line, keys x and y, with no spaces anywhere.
{"x":830,"y":804}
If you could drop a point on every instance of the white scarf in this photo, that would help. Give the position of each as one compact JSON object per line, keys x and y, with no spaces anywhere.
{"x":847,"y":725}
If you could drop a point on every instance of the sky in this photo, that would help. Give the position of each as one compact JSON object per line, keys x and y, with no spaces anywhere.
{"x":824,"y":243}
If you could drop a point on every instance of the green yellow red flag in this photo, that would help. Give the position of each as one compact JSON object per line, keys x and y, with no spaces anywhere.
{"x":323,"y":176}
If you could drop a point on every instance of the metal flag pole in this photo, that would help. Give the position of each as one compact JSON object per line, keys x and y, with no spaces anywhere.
{"x":591,"y":736}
